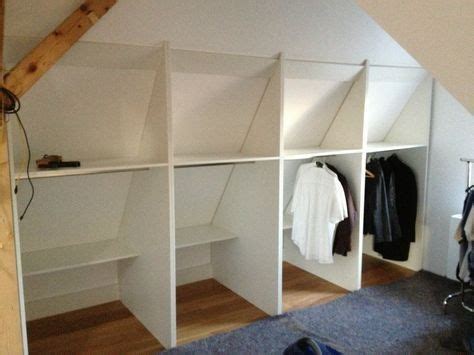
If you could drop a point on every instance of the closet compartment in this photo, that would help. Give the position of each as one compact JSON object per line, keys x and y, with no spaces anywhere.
{"x":324,"y":109}
{"x":227,"y":229}
{"x":101,"y":232}
{"x":101,"y":104}
{"x":226,"y":108}
{"x":417,"y":160}
{"x":398,"y":108}
{"x":345,"y":270}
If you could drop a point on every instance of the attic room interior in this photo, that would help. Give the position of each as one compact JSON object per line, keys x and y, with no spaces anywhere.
{"x":239,"y":177}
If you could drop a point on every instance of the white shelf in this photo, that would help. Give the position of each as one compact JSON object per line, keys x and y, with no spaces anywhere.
{"x":384,"y":147}
{"x":91,"y":167}
{"x":305,"y":153}
{"x":223,"y":158}
{"x":74,"y":256}
{"x":196,"y":235}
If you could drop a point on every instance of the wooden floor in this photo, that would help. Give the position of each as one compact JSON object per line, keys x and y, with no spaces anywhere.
{"x":203,"y":308}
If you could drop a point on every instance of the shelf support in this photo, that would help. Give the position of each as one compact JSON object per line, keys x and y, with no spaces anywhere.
{"x":37,"y":62}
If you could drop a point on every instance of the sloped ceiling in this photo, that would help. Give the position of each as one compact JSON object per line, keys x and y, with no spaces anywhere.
{"x":439,"y":34}
{"x":327,"y":30}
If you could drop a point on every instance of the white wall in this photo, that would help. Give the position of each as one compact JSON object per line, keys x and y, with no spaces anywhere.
{"x":329,"y":30}
{"x":452,"y":137}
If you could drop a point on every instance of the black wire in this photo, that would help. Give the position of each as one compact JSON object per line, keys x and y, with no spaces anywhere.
{"x":11,"y":105}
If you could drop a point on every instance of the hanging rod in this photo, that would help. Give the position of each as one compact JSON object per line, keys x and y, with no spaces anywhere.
{"x":213,"y":164}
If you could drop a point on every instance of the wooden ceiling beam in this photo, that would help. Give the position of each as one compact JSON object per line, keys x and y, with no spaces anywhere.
{"x":37,"y":62}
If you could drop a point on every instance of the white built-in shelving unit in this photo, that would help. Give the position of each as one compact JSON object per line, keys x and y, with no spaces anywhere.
{"x":188,"y":163}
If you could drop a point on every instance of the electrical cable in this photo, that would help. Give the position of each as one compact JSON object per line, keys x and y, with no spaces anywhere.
{"x":11,"y":105}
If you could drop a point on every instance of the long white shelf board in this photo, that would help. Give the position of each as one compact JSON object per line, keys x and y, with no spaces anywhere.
{"x":90,"y":167}
{"x":305,"y":153}
{"x":223,"y":158}
{"x":74,"y":256}
{"x":384,"y":146}
{"x":196,"y":235}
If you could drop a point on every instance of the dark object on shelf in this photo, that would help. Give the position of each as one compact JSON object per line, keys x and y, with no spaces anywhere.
{"x":55,"y":162}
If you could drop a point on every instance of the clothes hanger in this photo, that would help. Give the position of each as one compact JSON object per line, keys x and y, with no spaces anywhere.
{"x":369,"y":174}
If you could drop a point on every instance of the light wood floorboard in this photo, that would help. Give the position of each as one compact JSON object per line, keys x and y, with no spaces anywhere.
{"x":203,"y":308}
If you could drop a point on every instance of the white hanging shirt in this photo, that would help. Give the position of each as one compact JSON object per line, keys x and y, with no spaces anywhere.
{"x":318,"y":205}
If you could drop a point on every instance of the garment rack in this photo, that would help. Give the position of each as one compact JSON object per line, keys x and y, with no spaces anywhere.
{"x":463,"y":290}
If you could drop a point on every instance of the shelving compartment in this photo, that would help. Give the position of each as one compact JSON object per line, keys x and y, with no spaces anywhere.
{"x":323,"y":109}
{"x":101,"y":232}
{"x":398,"y":108}
{"x":416,"y":159}
{"x":226,"y":108}
{"x":345,"y":270}
{"x":227,"y":230}
{"x":101,"y":104}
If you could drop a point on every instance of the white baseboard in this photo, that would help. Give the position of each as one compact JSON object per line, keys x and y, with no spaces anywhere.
{"x":50,"y":306}
{"x":193,"y":274}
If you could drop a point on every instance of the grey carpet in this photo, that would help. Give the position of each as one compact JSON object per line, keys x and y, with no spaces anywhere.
{"x":403,"y":317}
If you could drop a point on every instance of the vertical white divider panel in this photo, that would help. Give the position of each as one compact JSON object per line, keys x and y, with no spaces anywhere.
{"x":281,"y":167}
{"x":148,"y":283}
{"x":412,"y":126}
{"x":249,"y":264}
{"x":263,"y":135}
{"x":345,"y":271}
{"x":346,"y":130}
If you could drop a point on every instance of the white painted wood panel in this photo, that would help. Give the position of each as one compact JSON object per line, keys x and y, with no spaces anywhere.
{"x":196,"y":235}
{"x":310,"y":107}
{"x":385,"y":146}
{"x":186,"y":61}
{"x":147,"y":284}
{"x":70,"y":302}
{"x":263,"y":136}
{"x":346,"y":130}
{"x":249,"y":264}
{"x":72,"y":210}
{"x":218,"y":158}
{"x":89,"y":167}
{"x":85,"y":113}
{"x":412,"y":126}
{"x":74,"y":256}
{"x":305,"y":153}
{"x":70,"y":281}
{"x":212,"y":113}
{"x":89,"y":54}
{"x":198,"y":192}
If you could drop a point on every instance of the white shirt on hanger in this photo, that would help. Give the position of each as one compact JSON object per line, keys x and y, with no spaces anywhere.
{"x":318,"y":204}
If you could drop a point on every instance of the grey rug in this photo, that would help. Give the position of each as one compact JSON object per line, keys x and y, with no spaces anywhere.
{"x":403,"y":317}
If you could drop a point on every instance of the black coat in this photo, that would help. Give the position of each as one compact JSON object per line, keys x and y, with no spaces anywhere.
{"x":405,"y":200}
{"x":390,"y":207}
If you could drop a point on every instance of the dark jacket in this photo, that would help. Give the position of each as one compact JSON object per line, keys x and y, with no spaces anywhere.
{"x":376,"y":209}
{"x":404,"y":200}
{"x":342,"y":237}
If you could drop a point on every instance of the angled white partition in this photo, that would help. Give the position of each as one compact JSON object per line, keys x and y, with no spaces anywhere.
{"x":323,"y":108}
{"x":398,"y":108}
{"x":147,"y":284}
{"x":224,"y":106}
{"x":249,"y":264}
